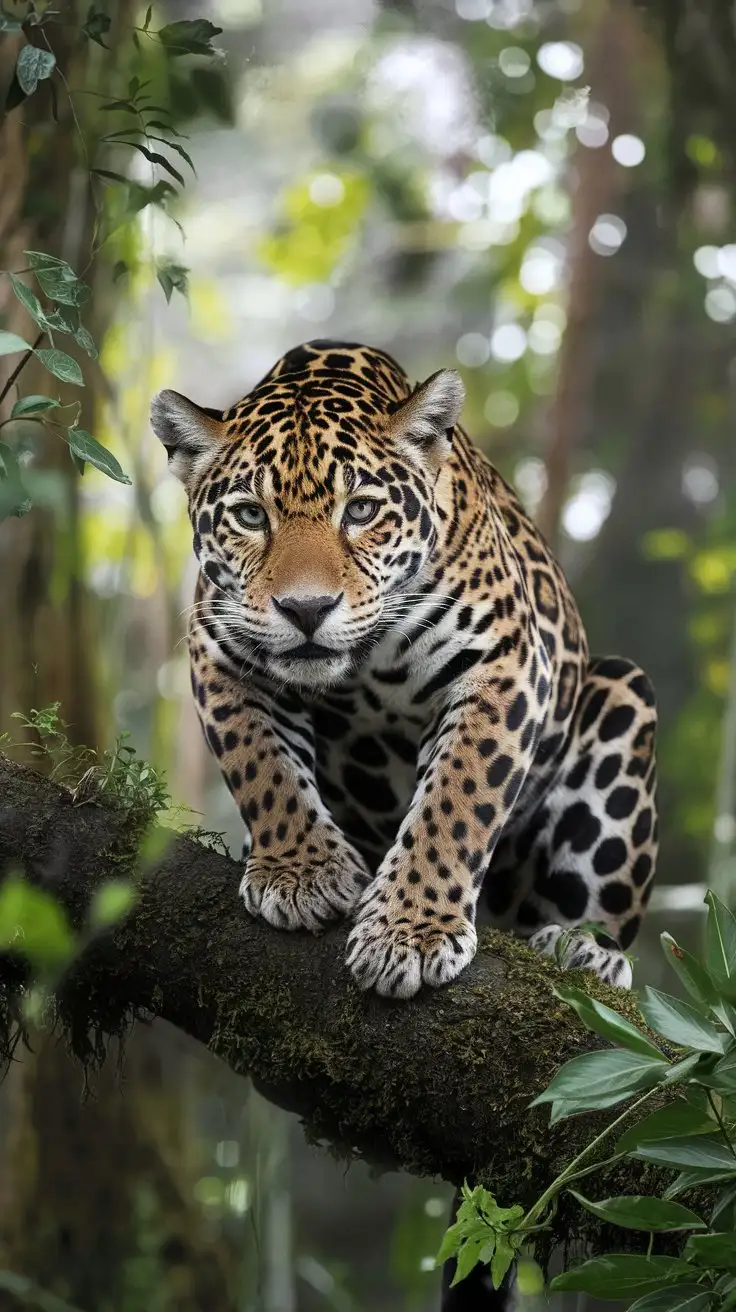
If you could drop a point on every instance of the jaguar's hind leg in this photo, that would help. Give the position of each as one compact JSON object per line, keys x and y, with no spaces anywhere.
{"x":595,"y":832}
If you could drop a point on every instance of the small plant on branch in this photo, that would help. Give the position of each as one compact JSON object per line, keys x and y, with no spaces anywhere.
{"x":677,"y":1077}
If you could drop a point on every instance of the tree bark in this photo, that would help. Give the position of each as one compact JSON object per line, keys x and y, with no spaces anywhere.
{"x":437,"y":1086}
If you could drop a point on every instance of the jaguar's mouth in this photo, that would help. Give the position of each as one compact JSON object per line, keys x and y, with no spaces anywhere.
{"x":309,"y":651}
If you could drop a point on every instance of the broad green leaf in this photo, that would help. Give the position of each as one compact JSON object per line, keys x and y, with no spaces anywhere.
{"x":635,"y":1212}
{"x":86,"y":447}
{"x":33,"y":66}
{"x":712,"y":1250}
{"x":62,"y":366}
{"x":682,"y":1071}
{"x":694,"y":1179}
{"x":606,"y":1022}
{"x":11,"y":342}
{"x":189,"y":37}
{"x":723,"y":1076}
{"x":726,"y":1200}
{"x":678,"y":1298}
{"x":28,"y":299}
{"x":624,"y":1275}
{"x":58,"y":279}
{"x":680,"y":1023}
{"x":675,"y":1121}
{"x":720,"y":935}
{"x":503,"y":1256}
{"x":700,"y":1153}
{"x":32,"y":405}
{"x":468,"y":1257}
{"x":451,"y":1241}
{"x":602,"y":1079}
{"x":33,"y":923}
{"x":110,"y":903}
{"x":696,"y":979}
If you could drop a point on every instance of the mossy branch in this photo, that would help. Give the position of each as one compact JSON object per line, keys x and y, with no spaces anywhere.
{"x":436,"y":1086}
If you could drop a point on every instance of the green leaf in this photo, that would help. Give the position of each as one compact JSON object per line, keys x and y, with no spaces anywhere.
{"x":623,"y":1275}
{"x":11,"y":342}
{"x":682,"y":1071}
{"x":154,"y":157}
{"x":700,"y":1153}
{"x":606,"y":1022}
{"x":97,"y":24}
{"x":696,"y":979}
{"x":635,"y":1212}
{"x":108,"y":175}
{"x":189,"y":37}
{"x":33,"y":923}
{"x":32,"y":405}
{"x":173,"y":277}
{"x":32,"y":67}
{"x":58,"y":279}
{"x":720,"y":936}
{"x":712,"y":1250}
{"x":86,"y":447}
{"x":110,"y":903}
{"x":62,"y":366}
{"x":84,"y":339}
{"x":28,"y":299}
{"x":680,"y":1023}
{"x":174,"y":145}
{"x":147,"y":19}
{"x":602,"y":1079}
{"x":678,"y":1298}
{"x":694,"y":1179}
{"x":726,"y":1200}
{"x":675,"y":1121}
{"x":503,"y":1256}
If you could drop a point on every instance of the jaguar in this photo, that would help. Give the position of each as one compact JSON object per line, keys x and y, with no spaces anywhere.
{"x":393,"y":675}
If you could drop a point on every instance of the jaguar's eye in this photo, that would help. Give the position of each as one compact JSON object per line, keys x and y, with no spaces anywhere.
{"x":361,"y":510}
{"x":250,"y":515}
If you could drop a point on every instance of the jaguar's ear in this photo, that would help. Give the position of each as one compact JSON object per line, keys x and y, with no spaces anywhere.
{"x":423,"y":425}
{"x":191,"y":434}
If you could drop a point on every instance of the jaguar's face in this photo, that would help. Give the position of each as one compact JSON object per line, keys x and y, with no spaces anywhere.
{"x":314,"y":517}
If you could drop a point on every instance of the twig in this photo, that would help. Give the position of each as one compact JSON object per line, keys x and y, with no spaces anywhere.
{"x":31,"y":351}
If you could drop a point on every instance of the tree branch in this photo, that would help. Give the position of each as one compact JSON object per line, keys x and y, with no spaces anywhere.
{"x":436,"y":1086}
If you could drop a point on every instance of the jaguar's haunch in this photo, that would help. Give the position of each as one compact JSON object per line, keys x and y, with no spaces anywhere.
{"x":392,"y":673}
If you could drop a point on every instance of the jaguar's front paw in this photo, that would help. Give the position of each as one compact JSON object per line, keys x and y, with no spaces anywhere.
{"x":577,"y":949}
{"x":303,"y":892}
{"x":395,"y":949}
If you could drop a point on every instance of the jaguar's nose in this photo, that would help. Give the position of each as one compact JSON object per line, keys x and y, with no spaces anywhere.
{"x":306,"y":613}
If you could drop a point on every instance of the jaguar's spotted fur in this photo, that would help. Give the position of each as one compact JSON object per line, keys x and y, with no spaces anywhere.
{"x":392,"y":673}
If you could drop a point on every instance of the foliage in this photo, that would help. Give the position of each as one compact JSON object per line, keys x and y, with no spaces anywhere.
{"x":686,"y":1050}
{"x":54,"y":303}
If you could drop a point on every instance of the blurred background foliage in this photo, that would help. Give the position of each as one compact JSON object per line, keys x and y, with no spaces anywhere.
{"x":539,"y":192}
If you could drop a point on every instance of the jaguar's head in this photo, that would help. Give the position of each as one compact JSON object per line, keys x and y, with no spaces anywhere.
{"x":313,"y":504}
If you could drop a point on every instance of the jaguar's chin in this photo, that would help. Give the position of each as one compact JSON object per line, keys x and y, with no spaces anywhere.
{"x":310,"y":667}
